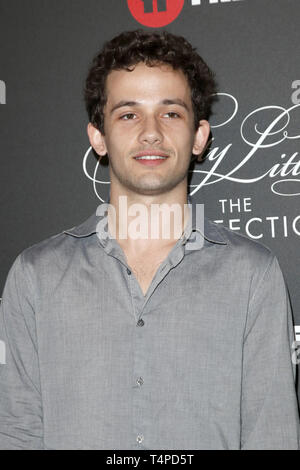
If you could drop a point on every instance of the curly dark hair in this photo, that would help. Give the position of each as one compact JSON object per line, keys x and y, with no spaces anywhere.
{"x":152,"y":48}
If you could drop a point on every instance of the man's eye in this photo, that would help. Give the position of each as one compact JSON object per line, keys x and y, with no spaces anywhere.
{"x":172,"y":115}
{"x":128,"y":116}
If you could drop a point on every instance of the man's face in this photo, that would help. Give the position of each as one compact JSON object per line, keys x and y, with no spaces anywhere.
{"x":149,"y":112}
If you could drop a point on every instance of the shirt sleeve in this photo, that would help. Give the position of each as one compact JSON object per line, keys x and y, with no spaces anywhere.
{"x":21,"y":423}
{"x":269,"y":408}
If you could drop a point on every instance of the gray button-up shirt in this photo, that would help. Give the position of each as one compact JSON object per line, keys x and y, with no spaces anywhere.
{"x":202,"y":361}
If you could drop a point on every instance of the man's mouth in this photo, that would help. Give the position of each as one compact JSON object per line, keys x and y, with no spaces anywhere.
{"x":150,"y":157}
{"x":154,"y":155}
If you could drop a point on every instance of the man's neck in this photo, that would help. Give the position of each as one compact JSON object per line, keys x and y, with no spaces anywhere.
{"x":148,"y":223}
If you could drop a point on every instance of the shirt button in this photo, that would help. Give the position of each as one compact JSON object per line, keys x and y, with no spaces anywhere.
{"x":140,"y":322}
{"x":128,"y":271}
{"x":140,"y":381}
{"x":140,"y":438}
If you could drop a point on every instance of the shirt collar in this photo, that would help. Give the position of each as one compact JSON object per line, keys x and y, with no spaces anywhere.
{"x":208,"y":229}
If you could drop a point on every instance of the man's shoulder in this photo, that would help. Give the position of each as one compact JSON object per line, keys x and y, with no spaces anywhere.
{"x":245,"y":259}
{"x":45,"y":251}
{"x":240,"y":245}
{"x":53,"y":249}
{"x":36,"y":260}
{"x":49,"y":258}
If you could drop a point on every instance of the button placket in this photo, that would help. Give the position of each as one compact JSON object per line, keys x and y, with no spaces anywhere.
{"x":139,"y":372}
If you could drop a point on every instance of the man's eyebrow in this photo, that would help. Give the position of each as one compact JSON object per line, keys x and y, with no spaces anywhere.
{"x":176,"y":101}
{"x":166,"y":102}
{"x":123,"y":103}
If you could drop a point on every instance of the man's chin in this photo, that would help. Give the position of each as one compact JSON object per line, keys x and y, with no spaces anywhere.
{"x":148,"y":188}
{"x":152,"y":191}
{"x":149,"y":185}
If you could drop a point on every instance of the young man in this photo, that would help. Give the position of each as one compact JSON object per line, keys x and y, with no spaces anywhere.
{"x":120,"y":342}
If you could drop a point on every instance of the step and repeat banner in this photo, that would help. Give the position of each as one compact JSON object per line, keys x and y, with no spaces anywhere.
{"x":250,"y":179}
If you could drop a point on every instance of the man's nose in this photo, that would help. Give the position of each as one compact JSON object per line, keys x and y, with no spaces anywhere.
{"x":151,"y":132}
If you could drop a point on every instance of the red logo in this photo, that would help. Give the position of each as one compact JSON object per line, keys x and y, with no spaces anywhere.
{"x":155,"y":13}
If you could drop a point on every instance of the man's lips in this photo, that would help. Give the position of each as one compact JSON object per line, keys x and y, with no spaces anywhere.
{"x":151,"y":158}
{"x":151,"y":153}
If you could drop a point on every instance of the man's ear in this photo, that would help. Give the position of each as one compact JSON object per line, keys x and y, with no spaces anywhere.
{"x":201,"y":138}
{"x":97,"y":140}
